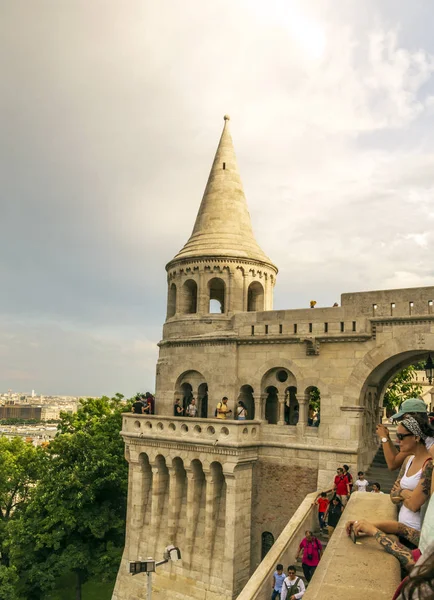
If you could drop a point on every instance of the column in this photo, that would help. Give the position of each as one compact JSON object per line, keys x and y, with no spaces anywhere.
{"x":211,"y":493}
{"x":281,"y":405}
{"x":194,"y":493}
{"x":257,"y":401}
{"x":228,"y":306}
{"x":202,"y":295}
{"x":303,"y":403}
{"x":176,"y":490}
{"x":236,"y":567}
{"x":141,"y":482}
{"x":263,"y":403}
{"x":159,"y":479}
{"x":244,"y":292}
{"x":266,"y":292}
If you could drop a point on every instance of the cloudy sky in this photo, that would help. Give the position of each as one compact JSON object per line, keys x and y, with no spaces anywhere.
{"x":110,"y":115}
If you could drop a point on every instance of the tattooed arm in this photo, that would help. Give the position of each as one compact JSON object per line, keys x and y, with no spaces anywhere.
{"x":414,"y":500}
{"x":395,"y":494}
{"x":397,"y":550}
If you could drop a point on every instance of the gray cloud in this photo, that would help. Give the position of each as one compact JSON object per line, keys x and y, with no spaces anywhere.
{"x":110,"y":115}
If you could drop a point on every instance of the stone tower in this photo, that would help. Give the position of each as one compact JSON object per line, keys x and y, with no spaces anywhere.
{"x":220,"y":271}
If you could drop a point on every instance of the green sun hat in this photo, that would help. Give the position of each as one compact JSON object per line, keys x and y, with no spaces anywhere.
{"x":412,"y":405}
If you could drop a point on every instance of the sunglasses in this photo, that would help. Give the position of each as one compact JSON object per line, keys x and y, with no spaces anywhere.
{"x":401,"y":436}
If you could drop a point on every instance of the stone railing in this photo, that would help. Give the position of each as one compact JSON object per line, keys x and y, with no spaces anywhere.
{"x":362,"y":570}
{"x":283,"y":550}
{"x":195,"y":430}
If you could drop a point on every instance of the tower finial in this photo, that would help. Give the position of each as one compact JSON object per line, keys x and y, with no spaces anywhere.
{"x":227,"y":118}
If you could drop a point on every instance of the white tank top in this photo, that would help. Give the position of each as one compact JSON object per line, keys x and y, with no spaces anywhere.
{"x":407,"y":516}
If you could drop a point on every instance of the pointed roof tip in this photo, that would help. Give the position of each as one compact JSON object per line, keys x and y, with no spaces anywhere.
{"x":223,"y":226}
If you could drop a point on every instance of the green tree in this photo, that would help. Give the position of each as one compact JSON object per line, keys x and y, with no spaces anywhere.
{"x":402,"y":386}
{"x":76,"y":518}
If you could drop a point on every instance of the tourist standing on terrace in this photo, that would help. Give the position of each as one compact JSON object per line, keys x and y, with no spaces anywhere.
{"x":222,"y":410}
{"x":341,"y":486}
{"x":311,"y":548}
{"x":413,"y":485}
{"x":191,"y":409}
{"x":333,"y":514}
{"x":323,"y":503}
{"x":361,"y":483}
{"x":177,"y":409}
{"x":241,"y":411}
{"x":412,"y":407}
{"x":293,"y":587}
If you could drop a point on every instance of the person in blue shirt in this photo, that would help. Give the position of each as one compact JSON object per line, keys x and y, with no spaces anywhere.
{"x":278,"y":578}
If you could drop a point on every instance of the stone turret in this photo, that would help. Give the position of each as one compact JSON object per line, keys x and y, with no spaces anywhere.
{"x":221,"y":269}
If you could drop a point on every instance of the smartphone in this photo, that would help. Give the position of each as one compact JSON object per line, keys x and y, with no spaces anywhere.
{"x":353,"y":535}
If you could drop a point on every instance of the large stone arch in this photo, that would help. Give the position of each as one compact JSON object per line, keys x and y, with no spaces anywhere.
{"x":275,"y":363}
{"x":387,"y":360}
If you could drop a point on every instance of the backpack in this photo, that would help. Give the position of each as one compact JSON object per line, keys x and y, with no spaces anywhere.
{"x":216,"y":412}
{"x":293,"y":588}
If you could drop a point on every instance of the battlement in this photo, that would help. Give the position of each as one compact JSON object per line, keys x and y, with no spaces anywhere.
{"x":391,"y":303}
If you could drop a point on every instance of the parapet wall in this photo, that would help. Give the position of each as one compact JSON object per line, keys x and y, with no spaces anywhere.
{"x":362,"y":570}
{"x":391,"y":303}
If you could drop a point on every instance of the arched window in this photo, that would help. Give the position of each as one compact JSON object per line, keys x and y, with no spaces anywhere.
{"x":271,"y":405}
{"x":202,"y":400}
{"x":187,"y":395}
{"x":189,"y":297}
{"x":246,"y":396}
{"x":267,"y":542}
{"x":255,"y":297}
{"x":313,"y":397}
{"x":216,"y":295}
{"x":171,"y":301}
{"x":292,"y":414}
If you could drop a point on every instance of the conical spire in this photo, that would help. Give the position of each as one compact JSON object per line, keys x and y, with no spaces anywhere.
{"x":223,"y":226}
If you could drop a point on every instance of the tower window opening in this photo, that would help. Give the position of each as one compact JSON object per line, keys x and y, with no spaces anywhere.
{"x":410,"y":307}
{"x":310,"y":327}
{"x":280,"y":328}
{"x":342,"y":326}
{"x":253,"y":330}
{"x":354,"y":325}
{"x":374,"y":309}
{"x":392,"y":306}
{"x":326,"y":327}
{"x":224,"y":166}
{"x":255,"y":297}
{"x":217,"y":293}
{"x":295,"y":327}
{"x":266,"y":328}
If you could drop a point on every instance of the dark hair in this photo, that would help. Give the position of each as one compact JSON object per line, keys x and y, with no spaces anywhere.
{"x":424,"y":425}
{"x":323,"y":494}
{"x":421,"y":580}
{"x":225,"y":398}
{"x":279,"y":567}
{"x":360,"y":473}
{"x":346,"y":468}
{"x":292,"y":568}
{"x":377,"y":484}
{"x":339,"y":469}
{"x":241,"y":403}
{"x":337,"y":499}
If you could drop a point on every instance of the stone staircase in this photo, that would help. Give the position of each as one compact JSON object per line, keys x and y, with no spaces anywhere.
{"x":378,"y":472}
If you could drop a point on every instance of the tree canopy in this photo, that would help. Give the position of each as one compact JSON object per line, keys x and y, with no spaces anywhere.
{"x":402,"y":387}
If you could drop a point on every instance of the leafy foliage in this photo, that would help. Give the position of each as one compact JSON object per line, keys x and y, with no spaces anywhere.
{"x":402,"y":386}
{"x":75,"y":517}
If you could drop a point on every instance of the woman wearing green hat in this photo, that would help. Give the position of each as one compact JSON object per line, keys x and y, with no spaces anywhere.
{"x":393,"y":456}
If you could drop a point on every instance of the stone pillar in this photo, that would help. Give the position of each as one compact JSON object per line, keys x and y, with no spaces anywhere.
{"x":159,"y":485}
{"x":228,"y":307}
{"x":141,"y":483}
{"x":258,"y":406}
{"x":236,"y":568}
{"x":176,"y":491}
{"x":281,"y":405}
{"x":202,"y":295}
{"x":245,"y":303}
{"x":195,"y":482}
{"x":263,"y":403}
{"x":211,"y":495}
{"x":303,"y":404}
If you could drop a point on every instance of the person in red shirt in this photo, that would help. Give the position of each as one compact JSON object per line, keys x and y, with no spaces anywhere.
{"x":341,"y":486}
{"x":322,"y":502}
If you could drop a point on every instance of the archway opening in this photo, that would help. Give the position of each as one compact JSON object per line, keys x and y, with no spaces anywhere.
{"x":189,"y":297}
{"x":171,"y":302}
{"x":255,"y":297}
{"x":271,"y":405}
{"x":267,"y":540}
{"x":202,"y":399}
{"x":313,"y":397}
{"x":246,"y":396}
{"x":187,"y":395}
{"x":217,"y":291}
{"x":292,"y":414}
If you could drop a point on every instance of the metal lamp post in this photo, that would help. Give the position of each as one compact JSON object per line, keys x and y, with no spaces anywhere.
{"x":149,"y":566}
{"x":429,"y":369}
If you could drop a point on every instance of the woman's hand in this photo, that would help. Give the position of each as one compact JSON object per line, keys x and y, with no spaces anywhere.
{"x":361,"y":527}
{"x":382,"y":431}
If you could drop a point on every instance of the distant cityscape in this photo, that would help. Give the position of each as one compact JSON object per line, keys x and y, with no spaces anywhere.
{"x":33,"y":416}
